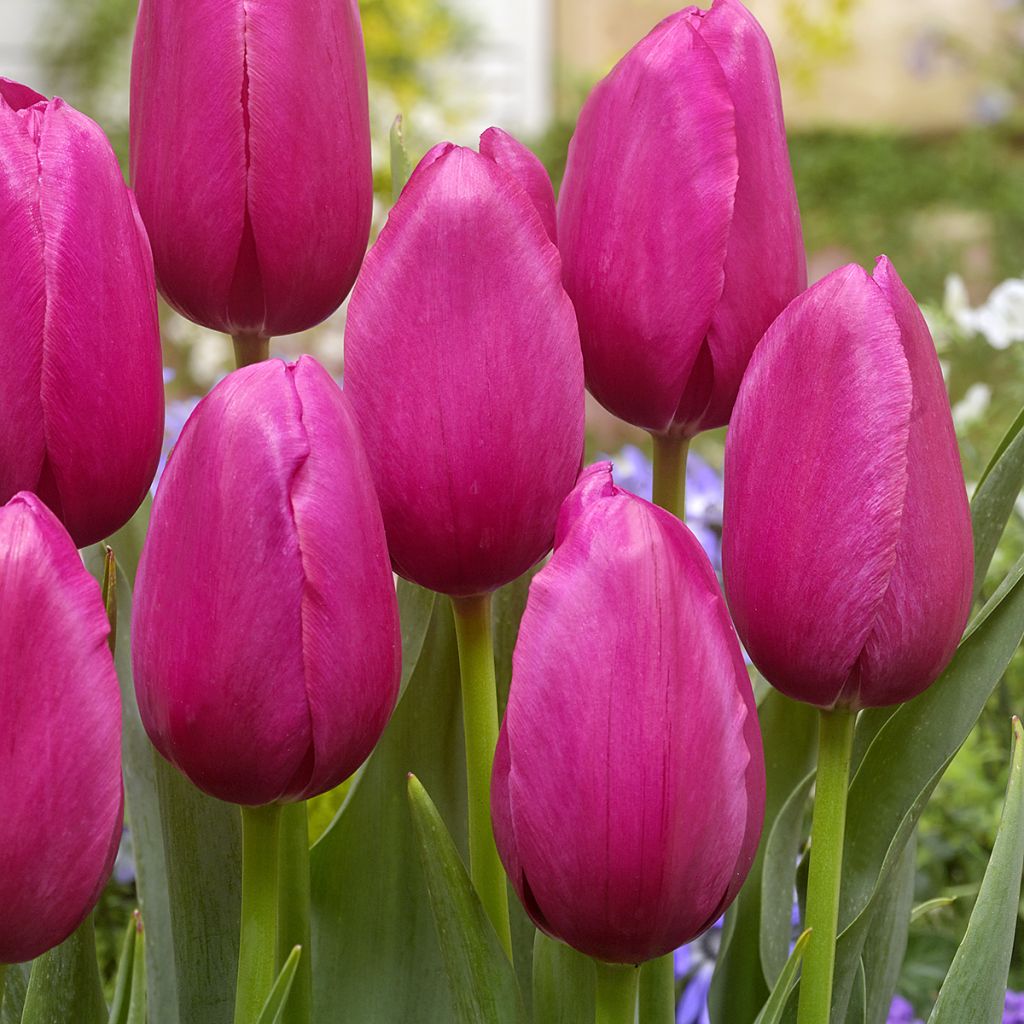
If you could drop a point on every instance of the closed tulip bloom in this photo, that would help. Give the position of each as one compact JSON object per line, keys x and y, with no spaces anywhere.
{"x":250,"y":155}
{"x":81,"y":387}
{"x":265,"y":637}
{"x":61,"y":802}
{"x":628,"y":787}
{"x":678,"y":221}
{"x":847,"y":538}
{"x":463,"y":365}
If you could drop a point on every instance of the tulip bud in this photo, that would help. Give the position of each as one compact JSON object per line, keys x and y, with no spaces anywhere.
{"x":678,"y":220}
{"x":463,"y":366}
{"x":628,"y":787}
{"x":266,"y":646}
{"x":250,"y":155}
{"x":81,"y":390}
{"x":61,"y":800}
{"x":847,"y":539}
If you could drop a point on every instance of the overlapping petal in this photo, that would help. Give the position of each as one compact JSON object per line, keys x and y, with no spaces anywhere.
{"x":60,"y":783}
{"x":463,"y":367}
{"x":511,"y":155}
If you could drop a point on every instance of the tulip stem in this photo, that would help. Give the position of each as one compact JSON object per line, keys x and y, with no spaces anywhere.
{"x":3,"y":983}
{"x":480,"y":721}
{"x":670,"y":473}
{"x":257,"y":954}
{"x":250,"y":348}
{"x":293,"y":911}
{"x":658,"y":990}
{"x":835,"y":745}
{"x":615,"y":998}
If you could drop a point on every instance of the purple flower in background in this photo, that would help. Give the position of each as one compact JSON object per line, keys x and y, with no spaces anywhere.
{"x":633,"y":472}
{"x":695,"y":964}
{"x":901,"y":1012}
{"x":1013,"y":1012}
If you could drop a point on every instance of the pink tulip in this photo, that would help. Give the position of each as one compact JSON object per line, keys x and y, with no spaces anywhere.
{"x":266,"y":646}
{"x":678,"y":220}
{"x":847,"y":538}
{"x":628,"y":787}
{"x":463,"y":365}
{"x":250,"y":154}
{"x":81,"y":391}
{"x":61,"y":800}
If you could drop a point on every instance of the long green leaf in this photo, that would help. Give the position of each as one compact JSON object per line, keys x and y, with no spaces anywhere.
{"x":373,"y":933}
{"x":137,"y":1005}
{"x":65,"y":983}
{"x":975,"y":987}
{"x":14,"y":988}
{"x":563,"y":984}
{"x":740,"y":985}
{"x":416,"y":607}
{"x":776,"y":1004}
{"x":273,"y":1008}
{"x":994,"y":498}
{"x":123,"y":982}
{"x":483,"y":983}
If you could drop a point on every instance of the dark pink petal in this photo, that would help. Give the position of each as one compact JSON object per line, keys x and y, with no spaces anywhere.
{"x":17,"y":96}
{"x":509,"y":153}
{"x":816,"y":480}
{"x":463,"y":367}
{"x":644,"y":222}
{"x":60,"y":794}
{"x":919,"y":623}
{"x":633,"y":780}
{"x":765,"y":265}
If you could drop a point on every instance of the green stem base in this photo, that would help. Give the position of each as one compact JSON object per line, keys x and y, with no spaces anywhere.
{"x":670,"y":473}
{"x":658,"y":990}
{"x":293,"y":911}
{"x":250,"y":348}
{"x":615,"y":997}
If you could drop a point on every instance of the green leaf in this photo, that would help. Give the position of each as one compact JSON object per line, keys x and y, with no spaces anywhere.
{"x":923,"y":909}
{"x":416,"y":607}
{"x":374,"y":947}
{"x":740,"y":984}
{"x":563,"y":983}
{"x":401,"y":165}
{"x":975,"y":987}
{"x":65,"y":983}
{"x":994,"y":498}
{"x":483,"y":983}
{"x":123,"y":982}
{"x":273,"y":1008}
{"x":776,"y":1004}
{"x":15,"y":984}
{"x":137,"y":1005}
{"x":187,"y":850}
{"x":903,"y":764}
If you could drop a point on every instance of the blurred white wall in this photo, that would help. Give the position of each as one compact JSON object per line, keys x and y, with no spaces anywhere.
{"x":19,"y":33}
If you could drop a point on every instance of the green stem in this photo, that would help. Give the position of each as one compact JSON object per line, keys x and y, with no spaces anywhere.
{"x":480,"y":720}
{"x":615,"y":999}
{"x":250,"y":348}
{"x":658,"y":990}
{"x":257,"y":954}
{"x":670,"y":473}
{"x":3,"y":983}
{"x":293,"y":911}
{"x":835,"y":744}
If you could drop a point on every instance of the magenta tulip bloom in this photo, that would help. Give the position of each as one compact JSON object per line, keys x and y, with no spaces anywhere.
{"x":463,"y":365}
{"x":61,"y":800}
{"x":265,"y":641}
{"x":847,"y":538}
{"x":81,"y":390}
{"x":678,"y":221}
{"x":628,"y":787}
{"x":250,"y":154}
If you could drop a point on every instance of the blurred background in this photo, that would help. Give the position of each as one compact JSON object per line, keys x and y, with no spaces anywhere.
{"x":906,"y":129}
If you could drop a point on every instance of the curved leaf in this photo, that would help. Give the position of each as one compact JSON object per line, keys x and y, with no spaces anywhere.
{"x":273,"y":1008}
{"x":775,"y":1007}
{"x":65,"y":983}
{"x":563,"y":983}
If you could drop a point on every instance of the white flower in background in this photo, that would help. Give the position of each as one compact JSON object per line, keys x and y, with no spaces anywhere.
{"x":972,"y":406}
{"x":999,"y":320}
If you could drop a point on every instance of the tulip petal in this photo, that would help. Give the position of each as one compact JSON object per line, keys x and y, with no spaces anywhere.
{"x":188,"y":148}
{"x":461,"y":295}
{"x":642,"y":851}
{"x":18,"y":96}
{"x":61,"y":798}
{"x":223,"y":517}
{"x":356,"y":667}
{"x":914,"y":639}
{"x":765,"y":265}
{"x":644,"y":220}
{"x":511,"y":155}
{"x":815,"y":480}
{"x":310,"y":192}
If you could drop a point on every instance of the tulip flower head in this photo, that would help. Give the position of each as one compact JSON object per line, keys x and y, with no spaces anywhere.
{"x":81,"y":387}
{"x":61,"y":799}
{"x":847,"y":546}
{"x":628,"y":786}
{"x":266,"y":646}
{"x":250,"y":154}
{"x":463,"y":366}
{"x":678,"y":221}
